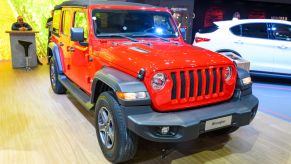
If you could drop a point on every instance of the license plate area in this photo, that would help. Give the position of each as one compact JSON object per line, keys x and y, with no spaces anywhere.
{"x":218,"y":123}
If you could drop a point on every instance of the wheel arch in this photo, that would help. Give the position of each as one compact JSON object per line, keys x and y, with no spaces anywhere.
{"x":110,"y":79}
{"x":53,"y":50}
{"x":228,"y":50}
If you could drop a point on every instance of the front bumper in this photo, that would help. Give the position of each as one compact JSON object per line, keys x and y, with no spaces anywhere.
{"x":188,"y":124}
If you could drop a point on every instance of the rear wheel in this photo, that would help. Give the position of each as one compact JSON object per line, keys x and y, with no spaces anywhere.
{"x":54,"y":73}
{"x":117,"y":143}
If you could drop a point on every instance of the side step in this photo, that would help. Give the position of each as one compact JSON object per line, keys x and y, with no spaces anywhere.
{"x":80,"y":95}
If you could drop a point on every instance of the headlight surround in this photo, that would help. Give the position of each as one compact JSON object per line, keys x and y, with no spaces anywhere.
{"x":158,"y":81}
{"x":227,"y":73}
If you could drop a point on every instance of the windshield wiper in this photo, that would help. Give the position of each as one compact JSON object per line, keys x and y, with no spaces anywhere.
{"x":157,"y":36}
{"x":123,"y":36}
{"x":119,"y":35}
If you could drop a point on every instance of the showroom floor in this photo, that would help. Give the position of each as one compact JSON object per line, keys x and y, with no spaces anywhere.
{"x":38,"y":126}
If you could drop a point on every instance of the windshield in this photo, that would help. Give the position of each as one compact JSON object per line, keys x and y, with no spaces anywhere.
{"x":130,"y":22}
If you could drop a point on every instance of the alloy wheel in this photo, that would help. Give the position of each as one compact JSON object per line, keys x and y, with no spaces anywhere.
{"x":106,"y":127}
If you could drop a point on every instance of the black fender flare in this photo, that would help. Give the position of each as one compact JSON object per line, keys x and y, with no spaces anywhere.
{"x":119,"y":81}
{"x":241,"y":74}
{"x":56,"y":54}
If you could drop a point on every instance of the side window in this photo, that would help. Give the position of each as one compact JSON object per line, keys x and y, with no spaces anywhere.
{"x":56,"y":21}
{"x":255,"y":30}
{"x":236,"y":30}
{"x":281,"y":32}
{"x":81,"y":22}
{"x":66,"y":25}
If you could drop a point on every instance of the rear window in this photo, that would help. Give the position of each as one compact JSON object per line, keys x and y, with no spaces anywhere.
{"x":236,"y":30}
{"x":208,"y":29}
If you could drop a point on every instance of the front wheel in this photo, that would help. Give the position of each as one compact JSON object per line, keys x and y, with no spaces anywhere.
{"x":57,"y":87}
{"x":117,"y":143}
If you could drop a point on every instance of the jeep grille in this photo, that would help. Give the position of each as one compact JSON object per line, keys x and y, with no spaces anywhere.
{"x":193,"y":87}
{"x":201,"y":82}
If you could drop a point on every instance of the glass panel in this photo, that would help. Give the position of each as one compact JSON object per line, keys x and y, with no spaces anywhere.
{"x":81,"y":22}
{"x":66,"y":22}
{"x":56,"y":21}
{"x":255,"y":30}
{"x":130,"y":22}
{"x":281,"y":32}
{"x":236,"y":30}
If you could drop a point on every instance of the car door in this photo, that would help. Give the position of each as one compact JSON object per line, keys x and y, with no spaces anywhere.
{"x":65,"y":40}
{"x":282,"y":47}
{"x":255,"y":46}
{"x":56,"y":34}
{"x":80,"y":53}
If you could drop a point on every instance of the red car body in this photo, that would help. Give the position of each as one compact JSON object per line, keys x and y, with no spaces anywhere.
{"x":167,"y":58}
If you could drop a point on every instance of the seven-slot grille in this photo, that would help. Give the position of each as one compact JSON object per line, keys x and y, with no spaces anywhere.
{"x":195,"y":83}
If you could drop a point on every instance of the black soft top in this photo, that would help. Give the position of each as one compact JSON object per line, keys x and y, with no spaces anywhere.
{"x":86,"y":3}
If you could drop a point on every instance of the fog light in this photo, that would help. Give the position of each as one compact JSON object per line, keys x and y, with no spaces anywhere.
{"x":165,"y":130}
{"x":247,"y":80}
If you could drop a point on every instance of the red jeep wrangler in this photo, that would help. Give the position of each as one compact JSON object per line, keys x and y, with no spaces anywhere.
{"x":129,"y":63}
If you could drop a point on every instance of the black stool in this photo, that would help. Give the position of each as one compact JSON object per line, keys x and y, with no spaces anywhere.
{"x":26,"y":45}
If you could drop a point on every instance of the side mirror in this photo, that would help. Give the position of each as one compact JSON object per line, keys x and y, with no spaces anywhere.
{"x":77,"y":34}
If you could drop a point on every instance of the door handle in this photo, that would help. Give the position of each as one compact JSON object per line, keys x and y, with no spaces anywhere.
{"x":70,"y":49}
{"x":61,"y":44}
{"x":89,"y":58}
{"x":239,"y":42}
{"x":282,"y":47}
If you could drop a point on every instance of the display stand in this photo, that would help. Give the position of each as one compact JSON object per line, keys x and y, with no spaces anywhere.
{"x":18,"y":51}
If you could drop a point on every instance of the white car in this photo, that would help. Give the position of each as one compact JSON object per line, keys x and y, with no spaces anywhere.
{"x":266,"y":43}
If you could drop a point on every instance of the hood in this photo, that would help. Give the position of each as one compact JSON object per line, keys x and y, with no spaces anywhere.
{"x":162,"y":56}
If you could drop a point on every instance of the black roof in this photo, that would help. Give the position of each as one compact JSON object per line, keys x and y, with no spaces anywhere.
{"x":85,"y":3}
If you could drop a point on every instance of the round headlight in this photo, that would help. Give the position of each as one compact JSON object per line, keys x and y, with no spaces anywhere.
{"x":227,"y":73}
{"x":158,"y":81}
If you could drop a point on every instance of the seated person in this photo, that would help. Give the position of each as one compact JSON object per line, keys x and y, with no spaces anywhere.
{"x":20,"y":25}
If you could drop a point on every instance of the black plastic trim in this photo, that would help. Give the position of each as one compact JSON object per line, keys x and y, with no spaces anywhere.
{"x":120,"y":81}
{"x":199,"y":83}
{"x":174,"y":88}
{"x":214,"y":80}
{"x":221,"y":80}
{"x":183,"y":84}
{"x":86,"y":3}
{"x":207,"y":81}
{"x":191,"y":94}
{"x":190,"y":123}
{"x":56,"y":54}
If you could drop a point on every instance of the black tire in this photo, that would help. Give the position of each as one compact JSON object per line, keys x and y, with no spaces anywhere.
{"x":226,"y":130}
{"x":122,"y":145}
{"x":57,"y":87}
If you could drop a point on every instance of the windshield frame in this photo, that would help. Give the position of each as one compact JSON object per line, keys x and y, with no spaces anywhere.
{"x":167,"y":14}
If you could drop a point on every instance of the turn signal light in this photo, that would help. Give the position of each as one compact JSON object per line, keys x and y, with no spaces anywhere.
{"x":247,"y":80}
{"x":131,"y":96}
